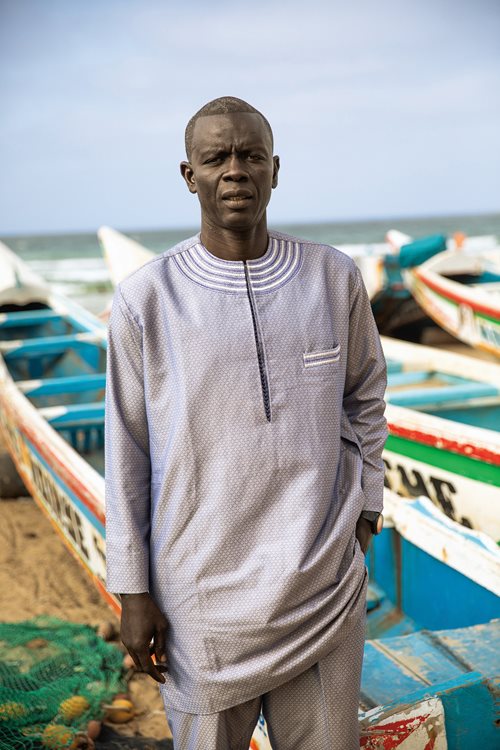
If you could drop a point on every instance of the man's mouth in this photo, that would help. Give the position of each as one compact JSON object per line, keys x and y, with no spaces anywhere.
{"x":237,"y":199}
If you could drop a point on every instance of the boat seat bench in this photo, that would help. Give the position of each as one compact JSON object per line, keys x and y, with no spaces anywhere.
{"x":47,"y":345}
{"x":465,"y":391}
{"x":68,"y":384}
{"x":74,"y":415}
{"x":28,"y":318}
{"x":413,"y":377}
{"x":393,"y":366}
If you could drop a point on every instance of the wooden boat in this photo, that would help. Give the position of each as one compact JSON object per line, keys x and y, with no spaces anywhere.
{"x":52,"y":381}
{"x":443,"y":413}
{"x":447,"y":688}
{"x":459,"y":289}
{"x":52,"y":378}
{"x":432,"y":687}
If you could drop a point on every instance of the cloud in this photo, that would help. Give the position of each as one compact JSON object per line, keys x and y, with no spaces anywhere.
{"x":103,"y":90}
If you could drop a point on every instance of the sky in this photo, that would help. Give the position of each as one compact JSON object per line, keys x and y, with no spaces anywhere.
{"x":385,"y":108}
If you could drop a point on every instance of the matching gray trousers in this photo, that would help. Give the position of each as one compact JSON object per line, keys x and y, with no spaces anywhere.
{"x":317,"y":710}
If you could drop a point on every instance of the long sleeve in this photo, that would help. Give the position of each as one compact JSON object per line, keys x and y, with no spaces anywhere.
{"x":127,"y":460}
{"x":366,"y":381}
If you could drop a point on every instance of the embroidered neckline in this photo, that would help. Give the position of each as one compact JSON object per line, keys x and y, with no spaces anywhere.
{"x":276,"y":267}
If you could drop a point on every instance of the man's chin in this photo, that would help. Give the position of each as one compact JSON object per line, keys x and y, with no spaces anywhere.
{"x":240,"y":222}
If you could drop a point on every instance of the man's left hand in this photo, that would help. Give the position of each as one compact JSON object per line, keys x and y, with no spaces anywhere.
{"x":363,"y":534}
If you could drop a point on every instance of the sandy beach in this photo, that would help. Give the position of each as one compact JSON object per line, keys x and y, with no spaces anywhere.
{"x":39,"y":577}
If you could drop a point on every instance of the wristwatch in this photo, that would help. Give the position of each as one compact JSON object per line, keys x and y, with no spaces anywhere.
{"x":376,"y":520}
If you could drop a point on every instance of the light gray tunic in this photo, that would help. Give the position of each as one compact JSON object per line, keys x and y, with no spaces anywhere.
{"x":244,"y":431}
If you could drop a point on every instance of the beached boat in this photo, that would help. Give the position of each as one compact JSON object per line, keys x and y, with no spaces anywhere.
{"x":443,"y":413}
{"x":459,"y":288}
{"x":52,"y":379}
{"x":433,"y":687}
{"x":462,"y":294}
{"x":447,"y":688}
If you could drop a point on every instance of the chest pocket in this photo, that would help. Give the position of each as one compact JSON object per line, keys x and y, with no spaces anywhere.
{"x":321,"y":364}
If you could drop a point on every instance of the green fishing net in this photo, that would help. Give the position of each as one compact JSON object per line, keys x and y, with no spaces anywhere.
{"x":55,"y":676}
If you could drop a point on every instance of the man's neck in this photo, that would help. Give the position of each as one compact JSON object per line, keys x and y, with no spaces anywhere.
{"x":231,"y":244}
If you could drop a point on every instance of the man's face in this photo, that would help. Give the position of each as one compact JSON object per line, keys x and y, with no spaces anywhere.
{"x":232,"y":169}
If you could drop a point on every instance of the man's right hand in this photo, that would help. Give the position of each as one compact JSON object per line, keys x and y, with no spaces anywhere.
{"x":141,"y":623}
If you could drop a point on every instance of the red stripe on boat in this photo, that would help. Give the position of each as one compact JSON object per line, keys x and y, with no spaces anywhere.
{"x":443,"y":443}
{"x":392,"y":734}
{"x":493,"y":312}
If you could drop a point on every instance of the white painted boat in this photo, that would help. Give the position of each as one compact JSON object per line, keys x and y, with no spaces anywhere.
{"x":52,"y":379}
{"x":459,"y":289}
{"x":443,"y":413}
{"x":373,"y":258}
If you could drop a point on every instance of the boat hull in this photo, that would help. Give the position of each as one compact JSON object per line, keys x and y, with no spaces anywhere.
{"x":457,"y":465}
{"x":468,"y":317}
{"x":69,"y":491}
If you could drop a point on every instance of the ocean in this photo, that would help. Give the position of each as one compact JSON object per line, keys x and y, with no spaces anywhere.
{"x":73,"y":263}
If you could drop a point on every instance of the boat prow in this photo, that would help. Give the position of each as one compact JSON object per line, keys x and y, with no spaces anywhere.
{"x":122,"y":254}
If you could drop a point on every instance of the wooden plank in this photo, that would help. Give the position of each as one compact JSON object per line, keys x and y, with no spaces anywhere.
{"x":46,"y":345}
{"x":68,"y":384}
{"x":28,"y":318}
{"x":458,"y":393}
{"x":73,"y":415}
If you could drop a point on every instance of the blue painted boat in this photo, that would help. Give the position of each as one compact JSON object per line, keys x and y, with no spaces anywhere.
{"x":446,"y":685}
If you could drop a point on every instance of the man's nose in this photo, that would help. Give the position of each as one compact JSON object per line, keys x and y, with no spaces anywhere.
{"x":235,"y":170}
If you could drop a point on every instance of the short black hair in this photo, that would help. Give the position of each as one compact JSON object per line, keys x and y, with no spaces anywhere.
{"x":222,"y":106}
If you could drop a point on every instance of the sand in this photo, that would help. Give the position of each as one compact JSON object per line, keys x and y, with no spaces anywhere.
{"x":38,"y":576}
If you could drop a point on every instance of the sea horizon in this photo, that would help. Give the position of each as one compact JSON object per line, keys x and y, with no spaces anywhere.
{"x":72,"y":263}
{"x":488,"y":217}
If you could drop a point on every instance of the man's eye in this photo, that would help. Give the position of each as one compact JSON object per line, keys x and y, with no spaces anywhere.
{"x":212,"y":159}
{"x":255,"y":157}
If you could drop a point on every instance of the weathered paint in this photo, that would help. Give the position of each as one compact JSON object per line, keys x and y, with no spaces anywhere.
{"x":72,"y":499}
{"x":414,"y":726}
{"x":459,"y":294}
{"x":470,"y":553}
{"x":469,"y":459}
{"x":399,"y":666}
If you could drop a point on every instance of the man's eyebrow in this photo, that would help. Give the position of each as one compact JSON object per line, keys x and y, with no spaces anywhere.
{"x":211,"y":150}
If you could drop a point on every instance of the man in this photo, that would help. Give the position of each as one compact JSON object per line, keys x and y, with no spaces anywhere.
{"x":244,"y":430}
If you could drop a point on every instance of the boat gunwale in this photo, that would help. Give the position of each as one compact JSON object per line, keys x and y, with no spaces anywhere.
{"x":478,"y":299}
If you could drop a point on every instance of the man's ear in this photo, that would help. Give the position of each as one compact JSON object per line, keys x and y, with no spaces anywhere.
{"x":188,"y":174}
{"x":276,"y":169}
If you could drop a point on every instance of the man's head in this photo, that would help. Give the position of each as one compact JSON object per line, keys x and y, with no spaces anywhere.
{"x":224,"y":105}
{"x":231,"y":165}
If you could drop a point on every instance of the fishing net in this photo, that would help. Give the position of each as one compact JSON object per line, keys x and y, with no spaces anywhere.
{"x":55,"y":676}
